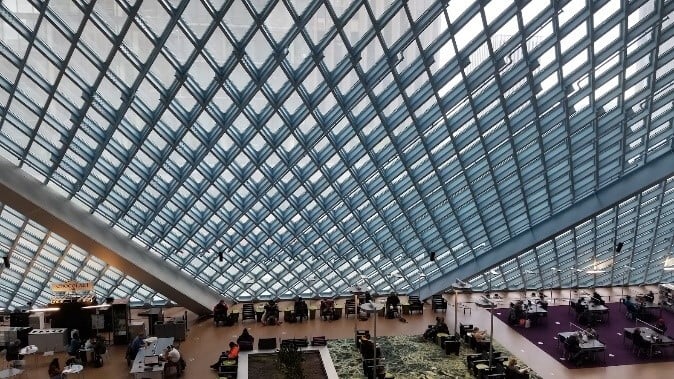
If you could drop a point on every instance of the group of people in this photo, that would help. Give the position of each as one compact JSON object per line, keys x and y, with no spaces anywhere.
{"x":234,"y":348}
{"x":518,"y":314}
{"x":170,"y":356}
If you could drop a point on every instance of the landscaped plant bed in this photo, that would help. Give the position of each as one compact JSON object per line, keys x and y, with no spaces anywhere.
{"x":265,"y":365}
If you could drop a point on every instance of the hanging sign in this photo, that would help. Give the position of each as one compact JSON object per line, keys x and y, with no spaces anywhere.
{"x":72,"y":286}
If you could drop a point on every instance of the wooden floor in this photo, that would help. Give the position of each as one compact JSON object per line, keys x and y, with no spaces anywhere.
{"x":205,"y":342}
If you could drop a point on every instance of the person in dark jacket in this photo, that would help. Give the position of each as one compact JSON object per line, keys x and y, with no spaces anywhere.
{"x":301,"y":309}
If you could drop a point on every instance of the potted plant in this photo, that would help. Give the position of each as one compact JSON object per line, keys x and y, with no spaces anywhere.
{"x":290,"y":361}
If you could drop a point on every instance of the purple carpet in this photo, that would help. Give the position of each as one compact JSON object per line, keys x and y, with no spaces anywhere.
{"x":544,"y":335}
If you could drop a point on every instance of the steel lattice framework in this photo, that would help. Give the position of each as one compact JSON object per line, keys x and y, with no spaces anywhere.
{"x":314,"y":144}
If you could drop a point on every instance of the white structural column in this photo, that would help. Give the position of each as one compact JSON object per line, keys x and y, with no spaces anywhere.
{"x":39,"y":203}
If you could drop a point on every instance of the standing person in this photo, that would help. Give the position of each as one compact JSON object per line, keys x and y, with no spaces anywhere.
{"x":134,"y":346}
{"x":55,"y":369}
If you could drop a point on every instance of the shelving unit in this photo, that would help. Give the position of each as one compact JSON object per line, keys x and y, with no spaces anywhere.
{"x":666,"y":292}
{"x":121,"y":315}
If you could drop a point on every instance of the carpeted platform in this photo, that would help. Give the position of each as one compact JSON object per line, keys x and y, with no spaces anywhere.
{"x":544,"y":335}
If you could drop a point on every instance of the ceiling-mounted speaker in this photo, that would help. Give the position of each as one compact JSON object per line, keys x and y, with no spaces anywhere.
{"x":6,"y":261}
{"x":221,"y":256}
{"x":432,"y":255}
{"x":618,"y":247}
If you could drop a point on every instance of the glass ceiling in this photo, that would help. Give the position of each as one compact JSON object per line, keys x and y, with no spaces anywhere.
{"x":321,"y":143}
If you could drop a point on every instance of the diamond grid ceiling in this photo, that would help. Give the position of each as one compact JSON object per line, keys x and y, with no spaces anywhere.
{"x":320,"y":143}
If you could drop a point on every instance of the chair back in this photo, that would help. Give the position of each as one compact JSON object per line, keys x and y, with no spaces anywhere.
{"x":266,"y":343}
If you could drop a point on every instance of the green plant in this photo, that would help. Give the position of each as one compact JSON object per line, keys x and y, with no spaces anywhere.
{"x":290,"y":360}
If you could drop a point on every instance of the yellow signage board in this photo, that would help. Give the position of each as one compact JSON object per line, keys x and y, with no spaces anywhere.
{"x":72,"y":286}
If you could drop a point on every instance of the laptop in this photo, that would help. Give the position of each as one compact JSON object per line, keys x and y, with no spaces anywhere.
{"x":151,"y":360}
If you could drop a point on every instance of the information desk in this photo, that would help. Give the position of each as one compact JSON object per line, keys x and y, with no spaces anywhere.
{"x":54,"y":339}
{"x":140,"y":370}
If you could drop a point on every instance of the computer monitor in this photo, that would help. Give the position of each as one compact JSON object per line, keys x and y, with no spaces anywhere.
{"x":151,"y":360}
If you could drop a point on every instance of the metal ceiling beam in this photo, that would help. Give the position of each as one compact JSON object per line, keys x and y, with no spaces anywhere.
{"x":27,"y":195}
{"x":650,"y":173}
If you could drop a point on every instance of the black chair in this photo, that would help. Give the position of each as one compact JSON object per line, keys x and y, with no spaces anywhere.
{"x":248,"y":312}
{"x":297,"y":342}
{"x":319,"y":341}
{"x":266,"y":343}
{"x":438,"y":303}
{"x":245,"y":345}
{"x":465,"y":328}
{"x":220,"y":317}
{"x":415,"y":304}
{"x":350,"y":307}
{"x":228,"y":368}
{"x":359,"y":335}
{"x":452,"y":347}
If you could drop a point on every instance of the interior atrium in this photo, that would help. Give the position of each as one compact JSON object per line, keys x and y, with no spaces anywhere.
{"x":183,"y":151}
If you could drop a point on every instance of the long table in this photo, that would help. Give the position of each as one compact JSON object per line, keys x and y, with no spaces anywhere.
{"x":154,"y":347}
{"x":653,"y":339}
{"x":590,"y":346}
{"x":593,"y":308}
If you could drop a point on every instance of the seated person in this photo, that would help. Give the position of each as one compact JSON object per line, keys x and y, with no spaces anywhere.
{"x":245,"y":340}
{"x":245,"y":336}
{"x":172,"y":358}
{"x":271,"y":313}
{"x":220,"y":312}
{"x":75,"y":345}
{"x":88,"y":353}
{"x":660,"y":326}
{"x":301,"y":309}
{"x":586,"y":318}
{"x":13,"y":351}
{"x":512,"y":370}
{"x":392,"y":304}
{"x":480,"y":335}
{"x":592,"y":333}
{"x":328,"y":309}
{"x":596,"y":299}
{"x":232,"y":353}
{"x":649,"y":297}
{"x":433,"y":330}
{"x":55,"y":369}
{"x":573,"y":346}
